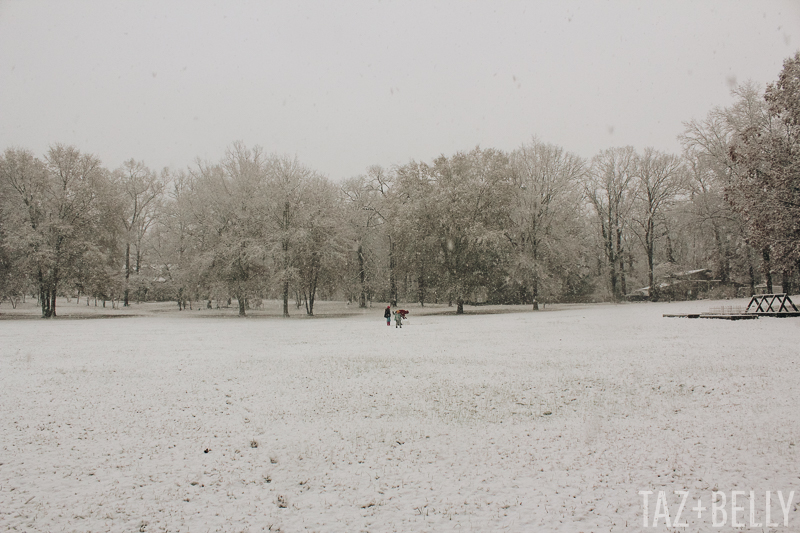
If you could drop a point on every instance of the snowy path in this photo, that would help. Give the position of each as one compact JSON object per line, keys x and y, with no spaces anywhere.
{"x":550,"y":421}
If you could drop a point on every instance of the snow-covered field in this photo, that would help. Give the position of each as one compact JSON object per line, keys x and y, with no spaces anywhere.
{"x":527,"y":421}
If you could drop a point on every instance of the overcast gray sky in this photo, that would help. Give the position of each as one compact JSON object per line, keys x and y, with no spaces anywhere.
{"x":344,"y":85}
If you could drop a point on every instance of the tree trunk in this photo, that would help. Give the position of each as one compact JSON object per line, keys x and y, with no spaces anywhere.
{"x":127,"y":271}
{"x":786,"y":283}
{"x":285,"y":247}
{"x":459,"y":306}
{"x":421,"y":285}
{"x":44,"y":302}
{"x":535,"y":278}
{"x":242,"y":302}
{"x":620,"y":255}
{"x":765,"y":265}
{"x":362,"y":276}
{"x":310,"y":304}
{"x":649,"y":248}
{"x":670,"y":250}
{"x":722,"y":260}
{"x":751,"y":273}
{"x":608,"y":244}
{"x":392,"y":278}
{"x":613,"y":277}
{"x":795,"y":276}
{"x":286,"y":298}
{"x":651,"y":267}
{"x":47,"y":295}
{"x":312,"y":288}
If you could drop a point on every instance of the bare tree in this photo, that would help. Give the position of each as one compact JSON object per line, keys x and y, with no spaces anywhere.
{"x":176,"y":240}
{"x":546,"y":206}
{"x":288,"y":180}
{"x":320,"y":245}
{"x":231,"y":210}
{"x":711,"y":141}
{"x":472,"y":207}
{"x":139,"y":190}
{"x":660,"y":179}
{"x":610,"y":190}
{"x":59,"y":216}
{"x":361,"y":203}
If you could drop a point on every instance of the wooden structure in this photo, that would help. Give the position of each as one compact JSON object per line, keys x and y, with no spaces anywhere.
{"x":772,"y":305}
{"x":743,"y":316}
{"x":776,"y":305}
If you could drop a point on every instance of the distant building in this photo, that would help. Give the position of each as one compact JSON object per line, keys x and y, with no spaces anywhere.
{"x":761,"y":288}
{"x":685,"y":285}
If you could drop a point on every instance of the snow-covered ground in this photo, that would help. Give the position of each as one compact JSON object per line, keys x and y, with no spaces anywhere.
{"x":527,"y":421}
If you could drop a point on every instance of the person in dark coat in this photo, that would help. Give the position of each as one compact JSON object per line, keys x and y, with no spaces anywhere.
{"x":387,"y":314}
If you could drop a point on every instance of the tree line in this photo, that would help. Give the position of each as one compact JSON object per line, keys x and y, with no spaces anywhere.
{"x":535,"y":224}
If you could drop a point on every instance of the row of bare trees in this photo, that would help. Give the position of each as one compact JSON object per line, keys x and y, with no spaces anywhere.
{"x":537,"y":223}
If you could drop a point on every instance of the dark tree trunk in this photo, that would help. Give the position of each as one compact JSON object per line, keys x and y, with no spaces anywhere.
{"x":459,"y":306}
{"x":421,"y":285}
{"x":670,"y":251}
{"x":786,"y":283}
{"x":43,"y":301}
{"x":285,"y":246}
{"x":242,"y":301}
{"x":53,"y":299}
{"x":286,"y":299}
{"x":608,"y":242}
{"x":312,"y":289}
{"x":310,"y":304}
{"x":47,"y":294}
{"x":650,"y":250}
{"x":620,"y":255}
{"x":765,"y":265}
{"x":392,"y":278}
{"x":722,"y":261}
{"x":127,"y":271}
{"x":362,"y":277}
{"x":535,"y":282}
